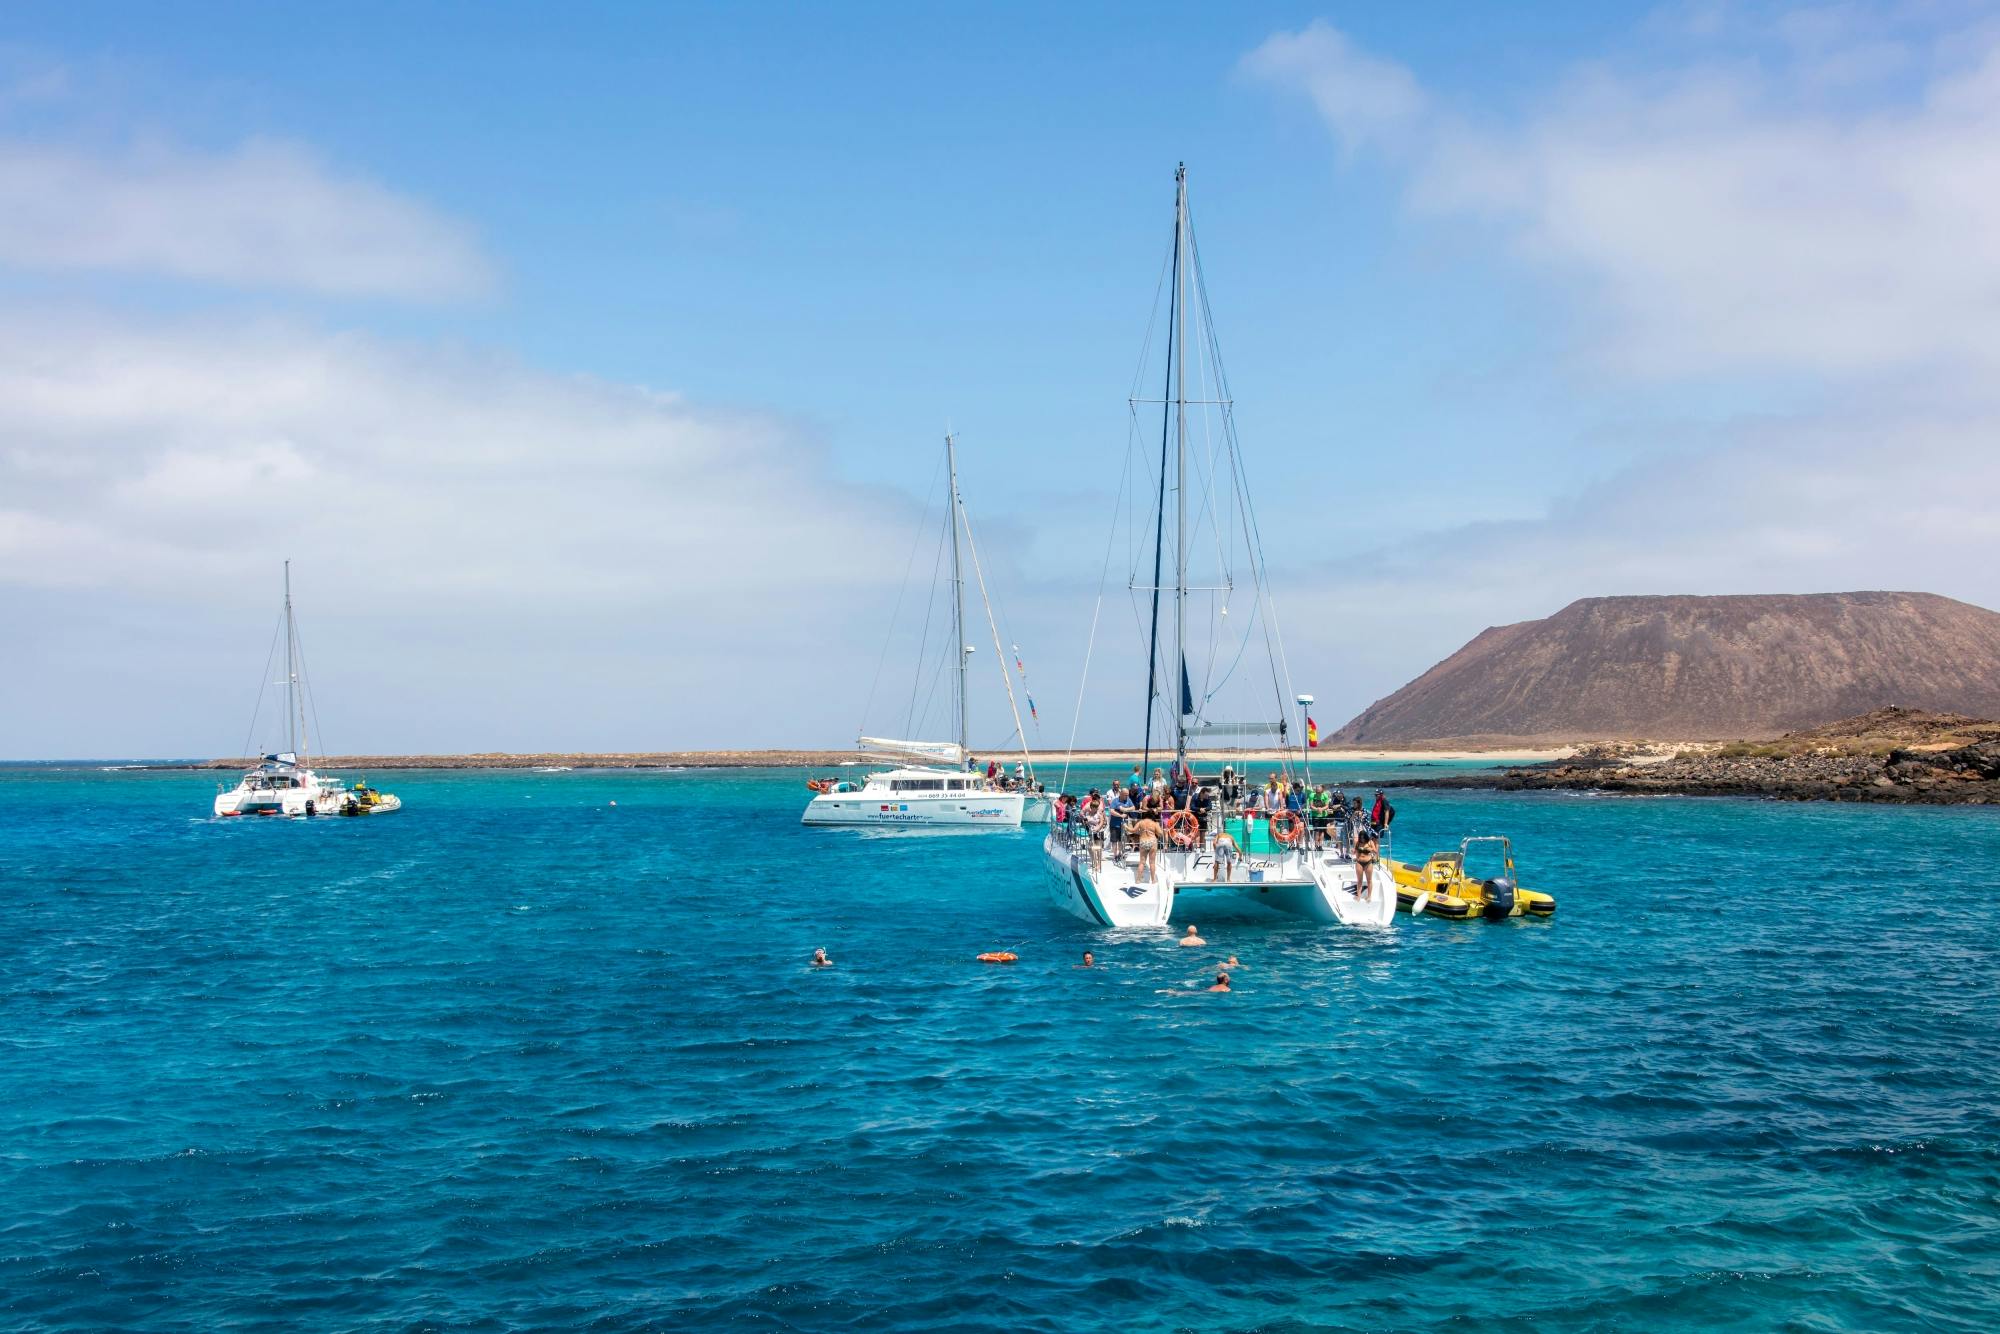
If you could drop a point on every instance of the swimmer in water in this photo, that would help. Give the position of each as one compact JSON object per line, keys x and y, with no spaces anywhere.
{"x":1221,"y":982}
{"x":1231,"y":963}
{"x":1191,"y":940}
{"x":1089,"y":961}
{"x":820,"y":960}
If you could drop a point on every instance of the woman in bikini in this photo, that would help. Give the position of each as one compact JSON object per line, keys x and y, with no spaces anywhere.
{"x":1364,"y":862}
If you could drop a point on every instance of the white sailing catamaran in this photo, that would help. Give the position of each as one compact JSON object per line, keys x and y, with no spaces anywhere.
{"x":1277,"y":863}
{"x":284,"y":783}
{"x":937,"y":786}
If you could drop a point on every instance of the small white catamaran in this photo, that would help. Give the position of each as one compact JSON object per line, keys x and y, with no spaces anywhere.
{"x":284,"y":783}
{"x":939,"y":786}
{"x":1278,"y":862}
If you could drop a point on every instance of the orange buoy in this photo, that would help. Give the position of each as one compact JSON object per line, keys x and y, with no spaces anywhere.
{"x":999,"y":956}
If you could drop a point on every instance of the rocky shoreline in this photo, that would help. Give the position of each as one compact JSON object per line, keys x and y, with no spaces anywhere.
{"x":1892,"y":755}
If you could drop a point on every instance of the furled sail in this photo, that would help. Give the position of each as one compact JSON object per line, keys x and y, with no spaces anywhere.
{"x":938,"y":752}
{"x":1276,"y":729}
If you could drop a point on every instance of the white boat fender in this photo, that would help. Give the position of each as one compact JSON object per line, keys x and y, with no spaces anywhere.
{"x":1423,"y":902}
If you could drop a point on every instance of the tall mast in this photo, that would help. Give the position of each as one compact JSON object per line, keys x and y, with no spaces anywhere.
{"x":1160,"y":519}
{"x":291,"y":670}
{"x":1178,"y":685}
{"x":963,"y":649}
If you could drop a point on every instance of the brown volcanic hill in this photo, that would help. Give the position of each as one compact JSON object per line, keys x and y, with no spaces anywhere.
{"x":1698,"y":668}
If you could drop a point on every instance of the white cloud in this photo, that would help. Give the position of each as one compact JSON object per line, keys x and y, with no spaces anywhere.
{"x":1365,"y":101}
{"x":200,"y":442}
{"x":494,"y":556}
{"x":266,"y":215}
{"x":1724,"y":216}
{"x":1807,"y":203}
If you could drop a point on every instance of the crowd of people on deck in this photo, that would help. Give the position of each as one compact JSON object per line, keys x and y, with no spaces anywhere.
{"x":1000,"y":780}
{"x":1139,"y":813}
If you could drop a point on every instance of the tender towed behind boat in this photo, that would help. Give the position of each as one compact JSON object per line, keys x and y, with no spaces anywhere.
{"x":1445,"y":889}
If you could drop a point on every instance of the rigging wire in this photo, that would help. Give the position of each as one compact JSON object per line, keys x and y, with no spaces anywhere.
{"x":305,"y":684}
{"x":972,"y":549}
{"x":263,"y":686}
{"x":924,"y":643}
{"x":1090,"y":643}
{"x":902,"y":591}
{"x":1273,"y":638}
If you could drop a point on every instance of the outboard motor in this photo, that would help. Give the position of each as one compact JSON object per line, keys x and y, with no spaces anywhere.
{"x":1499,"y":899}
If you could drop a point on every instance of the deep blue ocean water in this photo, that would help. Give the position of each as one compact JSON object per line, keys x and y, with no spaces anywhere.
{"x":516,"y":1058}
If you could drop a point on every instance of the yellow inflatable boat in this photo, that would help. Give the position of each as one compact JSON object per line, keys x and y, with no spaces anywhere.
{"x":362,"y":799}
{"x":1447,"y":891}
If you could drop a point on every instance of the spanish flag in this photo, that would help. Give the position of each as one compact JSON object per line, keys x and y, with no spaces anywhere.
{"x":1312,"y":731}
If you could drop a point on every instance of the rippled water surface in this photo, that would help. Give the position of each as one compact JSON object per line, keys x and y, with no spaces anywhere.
{"x":517,"y":1058}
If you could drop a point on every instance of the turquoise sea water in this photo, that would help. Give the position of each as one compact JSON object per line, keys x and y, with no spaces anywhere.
{"x":515,"y":1058}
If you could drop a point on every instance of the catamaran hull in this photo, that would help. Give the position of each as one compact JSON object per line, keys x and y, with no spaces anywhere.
{"x":1038,"y":809}
{"x":988,"y":810}
{"x":1109,"y":895}
{"x":297,"y":803}
{"x":1317,"y":887}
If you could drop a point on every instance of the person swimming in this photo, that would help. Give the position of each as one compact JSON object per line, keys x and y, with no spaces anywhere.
{"x":1231,"y":963}
{"x":1221,"y":982}
{"x":1191,"y":940}
{"x":819,"y":959}
{"x":1089,"y":960}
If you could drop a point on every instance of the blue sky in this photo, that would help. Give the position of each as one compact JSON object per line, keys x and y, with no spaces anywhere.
{"x":619,"y":340}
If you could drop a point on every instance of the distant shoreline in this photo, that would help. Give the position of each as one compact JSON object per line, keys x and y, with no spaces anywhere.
{"x":828,"y":759}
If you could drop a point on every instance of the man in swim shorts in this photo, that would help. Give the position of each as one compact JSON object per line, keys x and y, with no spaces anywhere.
{"x":1226,"y":853}
{"x":1147,"y":833}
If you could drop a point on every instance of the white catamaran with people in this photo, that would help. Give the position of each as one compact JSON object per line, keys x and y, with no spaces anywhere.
{"x":940,"y":782}
{"x":1130,"y":857}
{"x":284,"y":783}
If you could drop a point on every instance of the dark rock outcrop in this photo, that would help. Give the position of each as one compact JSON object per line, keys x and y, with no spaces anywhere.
{"x":1892,"y":755}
